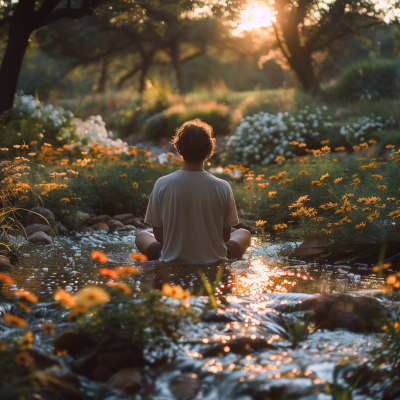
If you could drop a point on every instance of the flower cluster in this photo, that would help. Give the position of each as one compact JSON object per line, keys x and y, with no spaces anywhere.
{"x":264,"y":138}
{"x":360,"y":129}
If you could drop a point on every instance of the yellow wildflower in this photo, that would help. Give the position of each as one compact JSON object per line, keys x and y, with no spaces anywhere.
{"x":135,"y":185}
{"x":260,"y":223}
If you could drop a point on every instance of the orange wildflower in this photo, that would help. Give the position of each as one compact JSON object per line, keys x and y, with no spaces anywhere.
{"x":109,"y":272}
{"x":13,"y":320}
{"x":127,"y":271}
{"x":27,"y":295}
{"x":138,"y":257}
{"x":99,"y":256}
{"x":65,"y":298}
{"x":5,"y":278}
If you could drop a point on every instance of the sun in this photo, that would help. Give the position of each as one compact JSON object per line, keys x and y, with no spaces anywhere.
{"x":255,"y":16}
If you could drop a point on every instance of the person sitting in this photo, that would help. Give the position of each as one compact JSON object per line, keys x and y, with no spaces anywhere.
{"x":192,"y":211}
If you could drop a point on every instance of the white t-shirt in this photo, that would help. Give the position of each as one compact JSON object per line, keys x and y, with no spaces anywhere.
{"x":192,"y":208}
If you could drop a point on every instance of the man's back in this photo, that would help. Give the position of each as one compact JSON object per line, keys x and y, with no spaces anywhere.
{"x":192,"y":208}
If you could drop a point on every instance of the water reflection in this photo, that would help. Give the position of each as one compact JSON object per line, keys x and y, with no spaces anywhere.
{"x":68,"y":265}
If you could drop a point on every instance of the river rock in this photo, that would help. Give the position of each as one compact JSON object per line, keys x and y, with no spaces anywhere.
{"x":248,"y":224}
{"x":42,"y":361}
{"x":310,"y":247}
{"x":82,"y":217}
{"x":85,"y":365}
{"x":102,"y":373}
{"x":131,"y":228}
{"x":31,"y":229}
{"x":85,"y":229}
{"x":338,"y":310}
{"x":5,"y":264}
{"x":71,"y":341}
{"x":118,"y":360}
{"x":185,"y":386}
{"x":36,"y":217}
{"x":100,"y":227}
{"x":127,"y":380}
{"x":100,"y":219}
{"x":240,"y":345}
{"x":115,"y":225}
{"x":61,"y":228}
{"x":62,"y":381}
{"x":392,"y":392}
{"x":139,"y":223}
{"x":126,"y":219}
{"x":39,"y":237}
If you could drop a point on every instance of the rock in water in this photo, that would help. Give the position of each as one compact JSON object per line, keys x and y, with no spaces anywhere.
{"x":99,"y":218}
{"x":127,"y":379}
{"x":61,"y":228}
{"x":5,"y":264}
{"x":185,"y":386}
{"x":115,"y":225}
{"x":36,"y":217}
{"x":331,"y":311}
{"x":100,"y":227}
{"x":310,"y":247}
{"x":31,"y":229}
{"x":71,"y":341}
{"x":39,"y":237}
{"x":83,"y":218}
{"x":126,"y":219}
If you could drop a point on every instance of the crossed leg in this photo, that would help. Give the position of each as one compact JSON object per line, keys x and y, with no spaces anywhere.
{"x":145,"y":239}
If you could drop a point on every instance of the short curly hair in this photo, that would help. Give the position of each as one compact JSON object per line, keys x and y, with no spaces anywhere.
{"x":194,"y":141}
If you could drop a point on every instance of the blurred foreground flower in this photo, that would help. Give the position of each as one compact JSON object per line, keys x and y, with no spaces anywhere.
{"x":91,"y":296}
{"x":66,"y":299}
{"x":109,"y":272}
{"x":138,"y":257}
{"x":127,"y":271}
{"x":15,"y":321}
{"x":5,"y":278}
{"x":24,"y":294}
{"x":176,"y":292}
{"x":98,"y":255}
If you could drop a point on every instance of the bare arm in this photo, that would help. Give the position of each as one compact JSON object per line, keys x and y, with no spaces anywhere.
{"x":227,"y":233}
{"x":158,"y":234}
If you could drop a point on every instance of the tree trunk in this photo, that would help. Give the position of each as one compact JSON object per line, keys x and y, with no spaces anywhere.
{"x":105,"y":66}
{"x":299,"y":58}
{"x":176,"y":62}
{"x":19,"y":32}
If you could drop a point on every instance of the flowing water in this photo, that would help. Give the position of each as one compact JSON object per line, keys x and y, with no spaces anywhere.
{"x":258,"y":292}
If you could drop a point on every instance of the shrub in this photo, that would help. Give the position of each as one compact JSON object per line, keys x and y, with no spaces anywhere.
{"x":263,"y":137}
{"x":164,"y":124}
{"x":369,"y":79}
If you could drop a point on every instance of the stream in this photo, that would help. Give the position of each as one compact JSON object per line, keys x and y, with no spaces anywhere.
{"x":258,"y":291}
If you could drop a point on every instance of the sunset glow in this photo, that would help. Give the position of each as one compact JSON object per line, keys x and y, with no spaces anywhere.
{"x":255,"y":16}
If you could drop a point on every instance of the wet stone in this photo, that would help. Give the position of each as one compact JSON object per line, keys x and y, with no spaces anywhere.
{"x":39,"y":237}
{"x":5,"y":264}
{"x":127,"y":380}
{"x":333,"y":311}
{"x":31,"y":229}
{"x":101,"y":373}
{"x":185,"y":386}
{"x":310,"y":247}
{"x":115,"y":225}
{"x":125,"y":219}
{"x":83,"y":218}
{"x":240,"y":345}
{"x":213,"y":316}
{"x":85,"y":365}
{"x":118,"y":360}
{"x":100,"y":219}
{"x":100,"y":227}
{"x":40,"y":215}
{"x":63,"y":382}
{"x":72,"y":341}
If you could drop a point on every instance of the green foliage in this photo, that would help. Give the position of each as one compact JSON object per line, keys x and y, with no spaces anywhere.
{"x":134,"y":324}
{"x":369,"y":79}
{"x":165,"y":123}
{"x":111,"y":185}
{"x":358,"y":179}
{"x":296,"y":332}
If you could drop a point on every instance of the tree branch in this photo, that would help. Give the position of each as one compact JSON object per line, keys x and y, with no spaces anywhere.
{"x":280,"y":44}
{"x":65,"y":12}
